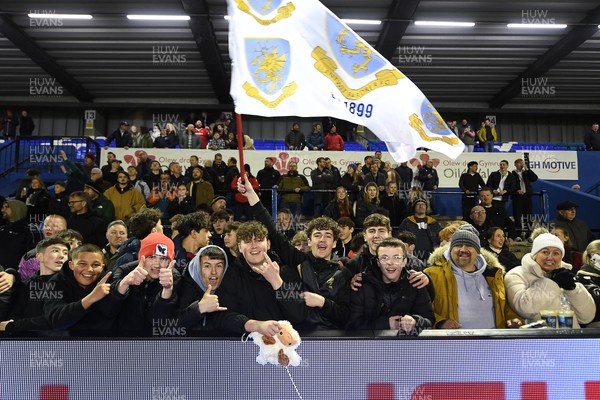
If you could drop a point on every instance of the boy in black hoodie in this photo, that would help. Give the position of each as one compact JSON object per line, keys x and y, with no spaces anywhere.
{"x":27,"y":312}
{"x":82,"y":303}
{"x":201,"y":278}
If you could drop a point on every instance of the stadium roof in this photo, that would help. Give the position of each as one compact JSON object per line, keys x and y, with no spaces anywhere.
{"x":111,"y":60}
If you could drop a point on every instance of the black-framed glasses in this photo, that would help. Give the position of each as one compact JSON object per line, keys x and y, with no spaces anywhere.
{"x":74,"y":201}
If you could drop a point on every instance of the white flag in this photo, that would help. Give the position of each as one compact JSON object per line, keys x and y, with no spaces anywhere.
{"x":298,"y":58}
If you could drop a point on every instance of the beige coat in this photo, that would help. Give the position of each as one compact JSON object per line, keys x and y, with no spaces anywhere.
{"x":529,"y":291}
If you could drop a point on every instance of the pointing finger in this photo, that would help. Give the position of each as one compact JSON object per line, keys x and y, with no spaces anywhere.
{"x":105,"y":278}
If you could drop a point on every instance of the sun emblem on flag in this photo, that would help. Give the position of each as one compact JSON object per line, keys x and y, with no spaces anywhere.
{"x":350,"y":60}
{"x":263,"y":8}
{"x":268,"y":61}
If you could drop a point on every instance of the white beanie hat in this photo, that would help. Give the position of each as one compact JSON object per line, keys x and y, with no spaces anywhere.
{"x":547,"y":240}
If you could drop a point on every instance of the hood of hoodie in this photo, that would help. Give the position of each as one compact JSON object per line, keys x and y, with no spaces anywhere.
{"x":131,"y":245}
{"x":471,"y":279}
{"x":194,"y":267}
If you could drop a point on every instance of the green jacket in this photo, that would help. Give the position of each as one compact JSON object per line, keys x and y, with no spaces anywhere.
{"x":289,"y":183}
{"x":104,"y":208}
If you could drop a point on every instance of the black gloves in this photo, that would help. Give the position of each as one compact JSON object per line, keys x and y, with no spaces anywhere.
{"x":563,"y":278}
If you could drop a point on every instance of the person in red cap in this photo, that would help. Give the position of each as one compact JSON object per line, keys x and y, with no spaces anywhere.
{"x":145,"y":286}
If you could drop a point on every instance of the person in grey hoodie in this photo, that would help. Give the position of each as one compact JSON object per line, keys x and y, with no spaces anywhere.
{"x":469,"y":285}
{"x":197,"y":286}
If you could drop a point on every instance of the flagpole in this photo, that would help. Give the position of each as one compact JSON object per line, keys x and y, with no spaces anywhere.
{"x":240,"y":139}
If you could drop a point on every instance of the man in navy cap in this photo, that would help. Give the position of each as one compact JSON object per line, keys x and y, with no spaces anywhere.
{"x":121,"y":136}
{"x":579,"y":232}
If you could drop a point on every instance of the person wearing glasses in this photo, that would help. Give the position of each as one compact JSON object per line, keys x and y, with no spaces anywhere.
{"x":387,"y":300}
{"x":468,"y":283}
{"x":85,"y":221}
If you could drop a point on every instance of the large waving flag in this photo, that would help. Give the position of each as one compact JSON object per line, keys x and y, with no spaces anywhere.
{"x":297,"y":58}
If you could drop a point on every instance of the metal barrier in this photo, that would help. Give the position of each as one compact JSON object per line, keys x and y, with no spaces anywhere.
{"x":43,"y":152}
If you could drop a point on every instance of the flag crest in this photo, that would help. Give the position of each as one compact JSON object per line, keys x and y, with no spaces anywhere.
{"x":298,"y":58}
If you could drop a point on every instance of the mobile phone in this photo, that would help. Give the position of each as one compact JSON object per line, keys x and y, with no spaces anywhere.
{"x":526,"y":159}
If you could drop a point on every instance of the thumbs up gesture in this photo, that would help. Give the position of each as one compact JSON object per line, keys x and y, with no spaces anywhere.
{"x":165,"y":278}
{"x":134,"y":278}
{"x":210,"y":302}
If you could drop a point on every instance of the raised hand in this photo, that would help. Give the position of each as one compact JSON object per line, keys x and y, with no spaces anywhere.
{"x":209,"y":302}
{"x":165,"y":278}
{"x":134,"y":278}
{"x":247,"y":191}
{"x":100,"y":291}
{"x":270,"y":271}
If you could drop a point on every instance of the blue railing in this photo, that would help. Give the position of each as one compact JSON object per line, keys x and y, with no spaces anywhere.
{"x":43,"y":153}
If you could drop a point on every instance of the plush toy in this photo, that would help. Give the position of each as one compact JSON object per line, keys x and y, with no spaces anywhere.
{"x":279,"y":349}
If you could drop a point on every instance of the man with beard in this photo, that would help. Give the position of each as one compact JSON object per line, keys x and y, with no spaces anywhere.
{"x":201,"y":191}
{"x":126,"y":199}
{"x":292,"y":185}
{"x":469,"y":288}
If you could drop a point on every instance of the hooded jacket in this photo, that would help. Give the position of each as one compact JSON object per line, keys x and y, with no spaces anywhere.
{"x":529,"y":290}
{"x":66,"y":312}
{"x":445,"y":302}
{"x":15,"y":237}
{"x":191,"y":289}
{"x":126,"y":200}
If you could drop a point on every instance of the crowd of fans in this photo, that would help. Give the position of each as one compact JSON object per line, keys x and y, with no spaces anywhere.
{"x":124,"y":250}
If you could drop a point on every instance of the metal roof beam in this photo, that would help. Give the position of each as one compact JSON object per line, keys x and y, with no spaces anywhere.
{"x":205,"y":38}
{"x":578,"y":35}
{"x":400,"y":14}
{"x":24,"y":43}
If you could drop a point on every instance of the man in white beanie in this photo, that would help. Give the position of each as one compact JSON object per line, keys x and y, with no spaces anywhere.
{"x":543,"y":278}
{"x":469,"y":285}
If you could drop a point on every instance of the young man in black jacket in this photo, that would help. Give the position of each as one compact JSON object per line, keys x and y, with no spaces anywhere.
{"x":256,"y":290}
{"x":323,"y":275}
{"x":387,"y":300}
{"x":27,"y":312}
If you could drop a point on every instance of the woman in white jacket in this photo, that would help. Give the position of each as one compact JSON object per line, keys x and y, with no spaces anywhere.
{"x":542,"y":279}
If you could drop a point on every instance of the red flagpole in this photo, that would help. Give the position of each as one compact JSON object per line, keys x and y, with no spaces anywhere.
{"x":240,"y":138}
